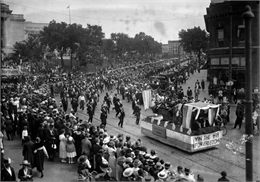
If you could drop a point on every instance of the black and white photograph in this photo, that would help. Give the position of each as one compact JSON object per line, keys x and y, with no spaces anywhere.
{"x":130,"y":90}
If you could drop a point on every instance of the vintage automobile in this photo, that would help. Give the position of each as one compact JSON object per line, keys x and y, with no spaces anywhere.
{"x":181,"y":132}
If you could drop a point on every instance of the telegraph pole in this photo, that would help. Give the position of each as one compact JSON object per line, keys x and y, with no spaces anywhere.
{"x":230,"y":52}
{"x":247,"y":16}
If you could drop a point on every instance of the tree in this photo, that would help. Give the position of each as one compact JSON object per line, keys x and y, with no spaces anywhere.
{"x":194,"y":40}
{"x":55,"y":36}
{"x":30,"y":49}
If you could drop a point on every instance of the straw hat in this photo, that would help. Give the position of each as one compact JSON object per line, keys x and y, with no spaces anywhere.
{"x":25,"y":163}
{"x":106,"y":140}
{"x":162,"y":175}
{"x":128,"y":172}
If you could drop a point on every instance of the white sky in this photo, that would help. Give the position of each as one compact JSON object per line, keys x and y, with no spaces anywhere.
{"x":161,"y":19}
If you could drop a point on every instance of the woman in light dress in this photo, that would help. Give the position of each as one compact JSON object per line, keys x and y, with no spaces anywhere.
{"x":112,"y":157}
{"x":70,"y":149}
{"x":63,"y":142}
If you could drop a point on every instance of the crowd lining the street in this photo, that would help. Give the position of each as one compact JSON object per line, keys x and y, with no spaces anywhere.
{"x":48,"y":129}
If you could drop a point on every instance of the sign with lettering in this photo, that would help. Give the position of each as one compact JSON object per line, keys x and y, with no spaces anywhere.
{"x":203,"y":141}
{"x":224,"y":61}
{"x":159,"y":131}
{"x":214,"y":61}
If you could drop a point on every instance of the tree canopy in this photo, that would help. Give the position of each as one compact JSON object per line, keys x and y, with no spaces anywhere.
{"x":194,"y":40}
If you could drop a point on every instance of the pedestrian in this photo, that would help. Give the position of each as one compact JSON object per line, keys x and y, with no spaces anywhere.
{"x":197,"y":92}
{"x":137,"y":114}
{"x":25,"y":173}
{"x":220,"y":95}
{"x":9,"y":128}
{"x":223,"y":177}
{"x":240,"y":115}
{"x":7,"y":172}
{"x":86,"y":146}
{"x":62,"y":146}
{"x":202,"y":84}
{"x":39,"y":153}
{"x":197,"y":85}
{"x":81,"y":101}
{"x":28,"y":149}
{"x":70,"y":148}
{"x":189,"y":93}
{"x":90,"y":112}
{"x":103,"y":116}
{"x":234,"y":93}
{"x":51,"y":141}
{"x":121,"y":117}
{"x":64,"y":102}
{"x":24,"y":134}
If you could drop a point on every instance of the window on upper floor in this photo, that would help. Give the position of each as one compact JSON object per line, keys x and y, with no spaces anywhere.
{"x":241,"y":34}
{"x":220,"y":37}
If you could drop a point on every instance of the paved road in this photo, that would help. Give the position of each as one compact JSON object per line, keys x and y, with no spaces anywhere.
{"x":209,"y":163}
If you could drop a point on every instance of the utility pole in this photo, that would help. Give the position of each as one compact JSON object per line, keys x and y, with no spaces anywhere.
{"x":230,"y":52}
{"x":247,"y":16}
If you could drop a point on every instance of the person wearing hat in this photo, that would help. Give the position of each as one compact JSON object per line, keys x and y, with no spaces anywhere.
{"x":188,"y":175}
{"x":136,"y":166}
{"x":105,"y":173}
{"x":162,"y":175}
{"x":28,"y":151}
{"x":157,"y":168}
{"x":51,"y":140}
{"x":127,"y":174}
{"x":39,"y":153}
{"x":121,"y":117}
{"x":25,"y":173}
{"x":7,"y":172}
{"x":223,"y":176}
{"x":83,"y":167}
{"x":148,"y":178}
{"x":120,"y":165}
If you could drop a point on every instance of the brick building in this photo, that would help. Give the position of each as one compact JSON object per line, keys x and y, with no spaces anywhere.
{"x":227,"y":41}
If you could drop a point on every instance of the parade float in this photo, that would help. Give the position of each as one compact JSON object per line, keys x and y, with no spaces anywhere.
{"x":191,"y":127}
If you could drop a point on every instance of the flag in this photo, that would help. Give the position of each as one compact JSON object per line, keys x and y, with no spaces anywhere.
{"x":68,"y":7}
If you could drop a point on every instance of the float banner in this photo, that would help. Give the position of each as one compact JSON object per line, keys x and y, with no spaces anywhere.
{"x":203,"y":141}
{"x":147,"y":97}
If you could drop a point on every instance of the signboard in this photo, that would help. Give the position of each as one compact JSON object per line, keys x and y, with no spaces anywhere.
{"x":214,"y":61}
{"x":235,"y":61}
{"x":159,"y":131}
{"x":224,"y":61}
{"x":203,"y":141}
{"x":243,"y":61}
{"x":10,"y":72}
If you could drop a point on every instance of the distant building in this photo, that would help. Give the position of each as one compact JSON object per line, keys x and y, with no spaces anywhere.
{"x":12,"y":26}
{"x":173,"y":48}
{"x":224,"y":21}
{"x":165,"y":48}
{"x":33,"y":28}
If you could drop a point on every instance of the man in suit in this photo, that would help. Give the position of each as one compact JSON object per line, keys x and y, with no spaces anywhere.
{"x":7,"y":173}
{"x":86,"y":146}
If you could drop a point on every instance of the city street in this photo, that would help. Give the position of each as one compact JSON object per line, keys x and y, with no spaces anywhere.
{"x":208,"y":163}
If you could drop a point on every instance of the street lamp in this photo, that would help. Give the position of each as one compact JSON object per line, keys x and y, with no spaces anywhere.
{"x":247,"y":16}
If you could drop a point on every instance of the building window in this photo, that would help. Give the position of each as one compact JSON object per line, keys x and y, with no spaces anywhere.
{"x":220,"y":37}
{"x":241,"y":35}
